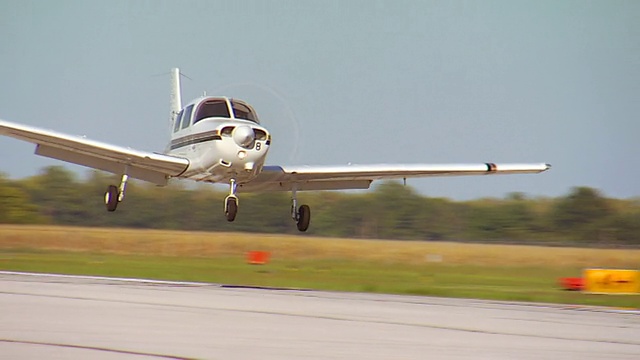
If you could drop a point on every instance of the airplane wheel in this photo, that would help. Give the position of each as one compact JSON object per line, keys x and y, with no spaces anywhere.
{"x":304,"y":217}
{"x":111,"y":198}
{"x":232,"y":209}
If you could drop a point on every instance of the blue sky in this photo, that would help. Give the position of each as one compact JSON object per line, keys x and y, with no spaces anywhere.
{"x":341,"y":82}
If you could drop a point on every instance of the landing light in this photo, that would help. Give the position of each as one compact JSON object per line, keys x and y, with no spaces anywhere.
{"x":242,"y":154}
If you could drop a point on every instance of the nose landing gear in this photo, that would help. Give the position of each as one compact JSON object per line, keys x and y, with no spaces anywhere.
{"x":231,"y":202}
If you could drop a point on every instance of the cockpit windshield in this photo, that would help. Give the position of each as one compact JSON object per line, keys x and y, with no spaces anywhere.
{"x":219,"y":108}
{"x":243,"y":111}
{"x":212,"y":108}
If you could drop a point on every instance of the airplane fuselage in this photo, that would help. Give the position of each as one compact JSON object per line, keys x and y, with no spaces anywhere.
{"x":223,"y":143}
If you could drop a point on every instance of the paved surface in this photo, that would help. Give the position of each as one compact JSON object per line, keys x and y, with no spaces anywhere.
{"x":57,"y":317}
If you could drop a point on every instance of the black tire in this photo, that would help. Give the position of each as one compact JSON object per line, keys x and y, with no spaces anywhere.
{"x":304,"y":217}
{"x":111,"y":198}
{"x":232,"y":209}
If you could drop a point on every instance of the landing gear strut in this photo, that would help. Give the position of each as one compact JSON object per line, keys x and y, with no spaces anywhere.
{"x":301,"y":215}
{"x":114,"y":194}
{"x":231,"y":202}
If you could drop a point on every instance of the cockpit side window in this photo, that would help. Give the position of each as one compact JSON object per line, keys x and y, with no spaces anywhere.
{"x":186,"y":117}
{"x":212,"y":108}
{"x":176,"y":125}
{"x":242,"y":111}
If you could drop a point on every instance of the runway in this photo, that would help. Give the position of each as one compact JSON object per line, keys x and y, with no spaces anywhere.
{"x":67,"y":317}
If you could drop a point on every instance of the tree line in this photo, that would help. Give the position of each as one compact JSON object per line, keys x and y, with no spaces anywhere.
{"x":389,"y":211}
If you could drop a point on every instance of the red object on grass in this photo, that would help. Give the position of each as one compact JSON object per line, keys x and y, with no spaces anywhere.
{"x":258,"y":257}
{"x":571,"y":283}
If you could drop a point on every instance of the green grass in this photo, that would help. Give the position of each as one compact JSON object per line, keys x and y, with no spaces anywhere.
{"x":518,"y":283}
{"x":500,"y":272}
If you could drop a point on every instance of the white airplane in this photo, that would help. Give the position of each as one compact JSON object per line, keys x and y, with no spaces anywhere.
{"x":220,"y":140}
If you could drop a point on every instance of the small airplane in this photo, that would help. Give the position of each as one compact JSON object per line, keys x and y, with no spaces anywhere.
{"x":220,"y":140}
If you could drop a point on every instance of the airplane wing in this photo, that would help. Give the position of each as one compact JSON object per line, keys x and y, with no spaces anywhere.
{"x":148,"y":166}
{"x":279,"y":178}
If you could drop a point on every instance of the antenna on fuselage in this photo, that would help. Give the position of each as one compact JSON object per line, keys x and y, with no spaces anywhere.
{"x":175,"y":103}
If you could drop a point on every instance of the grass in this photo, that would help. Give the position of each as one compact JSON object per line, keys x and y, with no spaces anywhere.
{"x":501,"y":272}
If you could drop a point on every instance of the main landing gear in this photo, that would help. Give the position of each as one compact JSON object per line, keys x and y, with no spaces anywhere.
{"x":301,"y":215}
{"x":114,"y":194}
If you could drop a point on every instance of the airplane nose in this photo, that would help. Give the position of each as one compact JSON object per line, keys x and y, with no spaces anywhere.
{"x":243,"y":136}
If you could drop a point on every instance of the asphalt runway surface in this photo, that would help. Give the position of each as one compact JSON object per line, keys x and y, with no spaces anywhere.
{"x":68,"y":317}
